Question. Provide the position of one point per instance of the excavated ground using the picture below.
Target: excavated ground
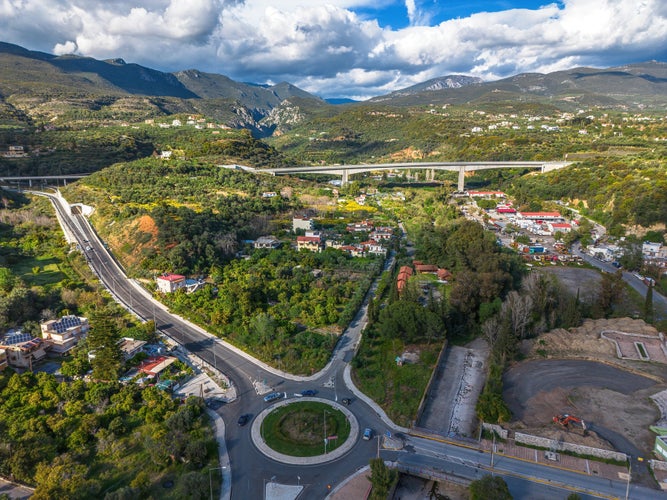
(579, 373)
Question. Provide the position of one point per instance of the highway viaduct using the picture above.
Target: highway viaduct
(345, 171)
(18, 179)
(461, 167)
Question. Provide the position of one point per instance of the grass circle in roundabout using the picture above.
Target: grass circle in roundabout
(299, 429)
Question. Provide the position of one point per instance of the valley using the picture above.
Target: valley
(350, 278)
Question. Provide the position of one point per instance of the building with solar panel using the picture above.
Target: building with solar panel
(22, 349)
(64, 333)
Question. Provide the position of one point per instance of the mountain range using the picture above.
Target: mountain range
(39, 87)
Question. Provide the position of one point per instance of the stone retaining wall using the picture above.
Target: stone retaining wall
(425, 395)
(521, 438)
(500, 432)
(658, 465)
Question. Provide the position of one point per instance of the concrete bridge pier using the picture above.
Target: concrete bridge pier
(346, 177)
(462, 175)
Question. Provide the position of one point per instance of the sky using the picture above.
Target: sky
(345, 48)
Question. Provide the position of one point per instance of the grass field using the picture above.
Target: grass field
(299, 429)
(47, 267)
(397, 389)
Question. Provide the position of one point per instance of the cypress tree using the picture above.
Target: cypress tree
(103, 339)
(648, 305)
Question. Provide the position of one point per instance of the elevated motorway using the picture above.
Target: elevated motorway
(455, 166)
(344, 171)
(40, 179)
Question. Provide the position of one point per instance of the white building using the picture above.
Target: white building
(64, 333)
(168, 283)
(650, 249)
(266, 242)
(305, 223)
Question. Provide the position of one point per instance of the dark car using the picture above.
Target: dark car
(309, 392)
(243, 419)
(346, 401)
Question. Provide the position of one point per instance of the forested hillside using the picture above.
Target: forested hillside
(617, 193)
(194, 215)
(79, 149)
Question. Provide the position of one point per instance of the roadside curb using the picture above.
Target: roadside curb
(223, 457)
(261, 445)
(347, 377)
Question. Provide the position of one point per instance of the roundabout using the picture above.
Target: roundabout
(301, 432)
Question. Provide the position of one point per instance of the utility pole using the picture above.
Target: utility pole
(627, 488)
(493, 447)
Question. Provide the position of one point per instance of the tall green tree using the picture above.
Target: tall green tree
(489, 488)
(648, 305)
(611, 290)
(632, 257)
(103, 340)
(382, 478)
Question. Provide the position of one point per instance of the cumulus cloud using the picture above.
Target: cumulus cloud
(416, 15)
(329, 49)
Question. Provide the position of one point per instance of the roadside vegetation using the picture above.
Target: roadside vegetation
(38, 275)
(82, 148)
(81, 439)
(283, 306)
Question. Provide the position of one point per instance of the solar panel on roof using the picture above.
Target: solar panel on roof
(17, 338)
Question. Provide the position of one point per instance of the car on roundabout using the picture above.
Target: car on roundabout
(243, 419)
(368, 434)
(273, 396)
(346, 401)
(309, 392)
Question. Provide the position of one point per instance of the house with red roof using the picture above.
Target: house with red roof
(312, 243)
(542, 216)
(404, 274)
(168, 283)
(372, 246)
(563, 227)
(153, 366)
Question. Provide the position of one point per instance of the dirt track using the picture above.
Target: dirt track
(530, 378)
(612, 401)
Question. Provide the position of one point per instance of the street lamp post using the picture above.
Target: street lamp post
(325, 432)
(210, 480)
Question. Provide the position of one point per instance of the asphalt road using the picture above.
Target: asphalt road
(659, 301)
(527, 480)
(248, 464)
(251, 470)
